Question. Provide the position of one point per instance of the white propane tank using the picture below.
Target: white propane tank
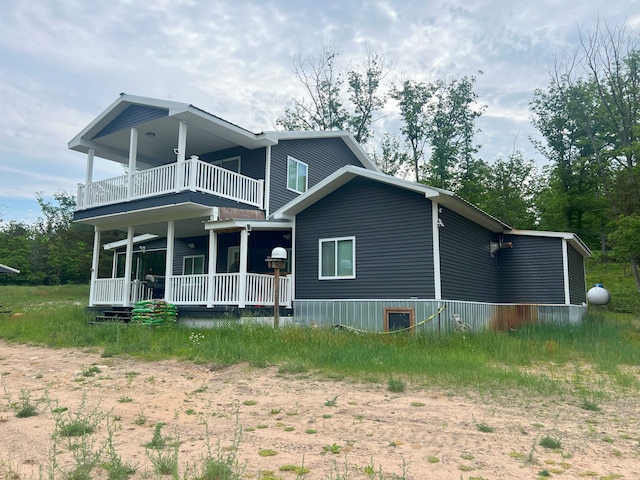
(598, 295)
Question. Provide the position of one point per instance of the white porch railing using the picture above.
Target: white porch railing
(108, 291)
(199, 290)
(194, 175)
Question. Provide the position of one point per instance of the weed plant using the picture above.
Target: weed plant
(23, 406)
(490, 361)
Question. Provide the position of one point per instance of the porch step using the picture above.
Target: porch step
(115, 315)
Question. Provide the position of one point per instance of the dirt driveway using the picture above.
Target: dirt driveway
(334, 428)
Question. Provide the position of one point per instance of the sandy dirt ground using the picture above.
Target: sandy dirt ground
(336, 428)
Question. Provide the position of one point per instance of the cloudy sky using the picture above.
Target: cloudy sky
(62, 62)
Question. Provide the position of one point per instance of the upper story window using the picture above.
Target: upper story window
(232, 164)
(297, 175)
(337, 258)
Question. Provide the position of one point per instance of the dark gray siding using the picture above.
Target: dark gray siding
(132, 115)
(394, 249)
(181, 249)
(323, 156)
(467, 270)
(531, 271)
(252, 162)
(577, 287)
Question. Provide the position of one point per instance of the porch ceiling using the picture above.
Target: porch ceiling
(190, 222)
(158, 149)
(205, 133)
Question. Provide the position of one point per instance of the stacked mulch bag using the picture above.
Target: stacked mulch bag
(154, 312)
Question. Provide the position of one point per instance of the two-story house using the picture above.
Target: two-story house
(203, 202)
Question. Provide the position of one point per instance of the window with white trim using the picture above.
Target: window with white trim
(337, 258)
(232, 163)
(297, 175)
(193, 265)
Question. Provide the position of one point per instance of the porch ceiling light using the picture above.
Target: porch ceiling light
(150, 134)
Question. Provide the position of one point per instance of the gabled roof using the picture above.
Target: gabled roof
(158, 120)
(345, 174)
(347, 137)
(181, 111)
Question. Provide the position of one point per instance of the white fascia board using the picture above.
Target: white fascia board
(145, 237)
(572, 238)
(242, 224)
(338, 179)
(117, 107)
(142, 216)
(7, 269)
(234, 133)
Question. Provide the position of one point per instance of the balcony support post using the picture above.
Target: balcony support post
(88, 177)
(128, 267)
(168, 269)
(242, 281)
(267, 181)
(181, 153)
(95, 261)
(133, 156)
(213, 255)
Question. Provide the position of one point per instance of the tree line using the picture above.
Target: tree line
(588, 116)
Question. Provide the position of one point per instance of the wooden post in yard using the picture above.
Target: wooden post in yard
(276, 299)
(277, 260)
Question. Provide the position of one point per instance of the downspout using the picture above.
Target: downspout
(267, 181)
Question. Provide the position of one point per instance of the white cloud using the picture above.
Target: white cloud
(64, 61)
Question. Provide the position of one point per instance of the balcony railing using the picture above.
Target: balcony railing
(218, 289)
(193, 174)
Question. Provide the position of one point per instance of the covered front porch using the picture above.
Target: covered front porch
(242, 290)
(223, 265)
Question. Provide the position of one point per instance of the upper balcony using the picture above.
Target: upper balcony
(189, 175)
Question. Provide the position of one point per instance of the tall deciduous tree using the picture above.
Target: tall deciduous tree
(512, 185)
(412, 98)
(440, 117)
(392, 157)
(598, 95)
(331, 104)
(573, 199)
(626, 242)
(453, 111)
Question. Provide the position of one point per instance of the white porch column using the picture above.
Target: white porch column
(133, 156)
(88, 177)
(267, 181)
(128, 267)
(182, 152)
(435, 227)
(168, 269)
(213, 255)
(95, 261)
(242, 285)
(565, 270)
